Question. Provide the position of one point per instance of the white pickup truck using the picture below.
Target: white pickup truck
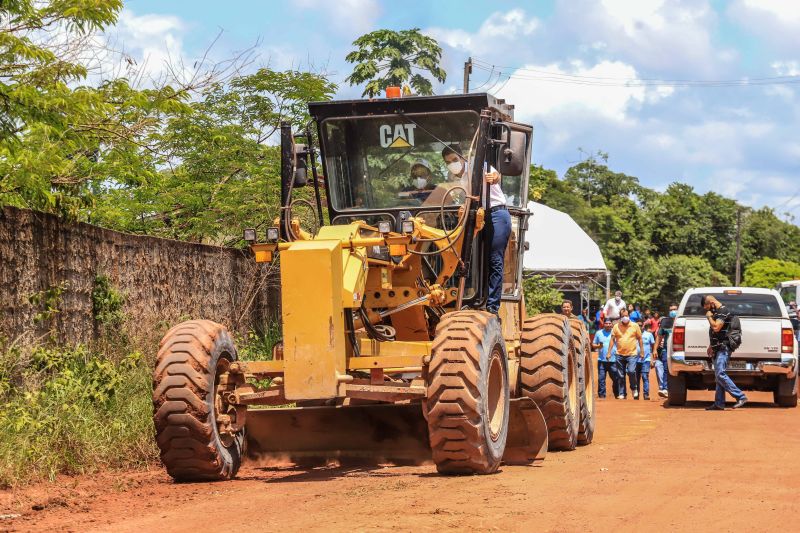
(765, 361)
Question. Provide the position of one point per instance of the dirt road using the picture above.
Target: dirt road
(650, 468)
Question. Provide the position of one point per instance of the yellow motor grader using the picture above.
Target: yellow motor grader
(387, 352)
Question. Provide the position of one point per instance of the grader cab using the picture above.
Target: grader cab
(387, 352)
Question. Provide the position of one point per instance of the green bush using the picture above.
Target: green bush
(769, 272)
(540, 295)
(74, 412)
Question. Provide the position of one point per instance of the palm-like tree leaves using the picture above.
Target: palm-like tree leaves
(386, 58)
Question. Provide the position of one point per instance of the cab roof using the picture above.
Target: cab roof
(412, 104)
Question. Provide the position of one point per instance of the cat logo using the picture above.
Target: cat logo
(399, 136)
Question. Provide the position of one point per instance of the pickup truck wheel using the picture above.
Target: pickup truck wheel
(676, 387)
(786, 393)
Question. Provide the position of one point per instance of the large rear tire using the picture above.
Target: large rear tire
(676, 389)
(467, 401)
(549, 376)
(191, 358)
(583, 355)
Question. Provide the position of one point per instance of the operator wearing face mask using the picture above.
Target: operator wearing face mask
(498, 220)
(421, 181)
(625, 337)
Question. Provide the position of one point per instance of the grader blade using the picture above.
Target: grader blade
(367, 433)
(527, 433)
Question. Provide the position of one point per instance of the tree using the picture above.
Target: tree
(540, 295)
(597, 184)
(389, 58)
(36, 63)
(59, 139)
(765, 235)
(671, 276)
(768, 272)
(220, 173)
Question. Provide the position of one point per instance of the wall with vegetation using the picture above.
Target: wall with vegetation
(72, 281)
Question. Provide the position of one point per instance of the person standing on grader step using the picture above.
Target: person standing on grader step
(626, 337)
(498, 219)
(720, 348)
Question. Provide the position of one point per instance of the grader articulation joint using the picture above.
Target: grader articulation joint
(386, 351)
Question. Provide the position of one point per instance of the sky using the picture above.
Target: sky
(588, 74)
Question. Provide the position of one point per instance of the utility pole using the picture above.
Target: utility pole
(467, 72)
(738, 247)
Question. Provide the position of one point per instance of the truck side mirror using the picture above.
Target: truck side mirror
(511, 156)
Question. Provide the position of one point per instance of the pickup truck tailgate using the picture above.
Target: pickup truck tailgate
(761, 338)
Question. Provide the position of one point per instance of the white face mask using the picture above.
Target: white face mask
(456, 167)
(625, 319)
(618, 299)
(420, 183)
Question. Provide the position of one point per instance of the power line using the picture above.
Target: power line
(523, 73)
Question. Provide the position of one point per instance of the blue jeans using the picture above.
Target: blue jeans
(643, 371)
(499, 228)
(661, 370)
(626, 364)
(604, 367)
(724, 382)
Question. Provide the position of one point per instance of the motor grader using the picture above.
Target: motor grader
(387, 352)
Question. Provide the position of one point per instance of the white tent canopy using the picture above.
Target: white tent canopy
(557, 244)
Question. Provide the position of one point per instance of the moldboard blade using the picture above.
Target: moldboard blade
(381, 433)
(527, 433)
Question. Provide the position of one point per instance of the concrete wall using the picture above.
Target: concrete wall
(163, 281)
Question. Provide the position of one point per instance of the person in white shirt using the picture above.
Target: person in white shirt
(613, 306)
(498, 218)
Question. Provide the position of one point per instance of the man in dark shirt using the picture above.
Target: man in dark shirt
(719, 320)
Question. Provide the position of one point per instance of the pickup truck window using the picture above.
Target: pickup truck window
(757, 305)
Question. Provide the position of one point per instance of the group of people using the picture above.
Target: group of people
(629, 342)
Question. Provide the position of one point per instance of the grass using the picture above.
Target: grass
(72, 410)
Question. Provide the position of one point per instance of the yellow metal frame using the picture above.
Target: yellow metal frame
(327, 275)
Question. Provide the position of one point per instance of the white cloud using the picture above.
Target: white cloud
(786, 68)
(667, 38)
(143, 48)
(514, 24)
(756, 187)
(156, 39)
(776, 21)
(560, 91)
(782, 11)
(348, 17)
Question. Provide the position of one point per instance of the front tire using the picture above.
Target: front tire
(192, 357)
(467, 400)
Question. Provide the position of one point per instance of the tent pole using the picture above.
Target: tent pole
(608, 284)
